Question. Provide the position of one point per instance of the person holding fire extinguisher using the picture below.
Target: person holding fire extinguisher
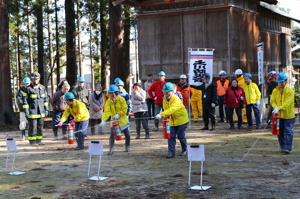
(115, 108)
(174, 109)
(282, 101)
(81, 116)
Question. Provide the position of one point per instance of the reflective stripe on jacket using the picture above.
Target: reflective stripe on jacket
(112, 108)
(78, 110)
(252, 93)
(175, 109)
(284, 101)
(221, 89)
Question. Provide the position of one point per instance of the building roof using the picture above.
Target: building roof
(277, 11)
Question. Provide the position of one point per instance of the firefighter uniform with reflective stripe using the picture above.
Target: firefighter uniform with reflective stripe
(221, 91)
(36, 108)
(20, 100)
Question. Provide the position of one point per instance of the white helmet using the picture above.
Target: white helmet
(182, 76)
(238, 72)
(272, 72)
(222, 72)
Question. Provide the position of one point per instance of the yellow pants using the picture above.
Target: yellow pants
(244, 115)
(196, 109)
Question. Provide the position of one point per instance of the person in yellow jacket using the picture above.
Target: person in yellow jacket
(175, 110)
(241, 83)
(115, 108)
(196, 103)
(81, 117)
(282, 100)
(253, 96)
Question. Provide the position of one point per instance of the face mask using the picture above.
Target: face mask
(97, 92)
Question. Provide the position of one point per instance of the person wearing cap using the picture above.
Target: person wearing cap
(271, 85)
(241, 82)
(20, 101)
(80, 113)
(253, 97)
(35, 106)
(282, 101)
(184, 89)
(123, 93)
(149, 100)
(115, 108)
(59, 106)
(80, 92)
(155, 92)
(222, 85)
(96, 101)
(175, 110)
(140, 110)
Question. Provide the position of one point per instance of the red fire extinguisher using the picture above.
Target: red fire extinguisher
(116, 129)
(70, 131)
(166, 126)
(275, 124)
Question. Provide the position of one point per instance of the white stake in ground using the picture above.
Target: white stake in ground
(96, 149)
(196, 153)
(11, 157)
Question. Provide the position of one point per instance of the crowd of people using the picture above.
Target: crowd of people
(155, 100)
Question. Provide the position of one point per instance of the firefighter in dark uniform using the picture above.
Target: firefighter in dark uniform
(209, 101)
(36, 108)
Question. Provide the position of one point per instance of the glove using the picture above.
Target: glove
(158, 116)
(275, 110)
(46, 113)
(103, 123)
(117, 116)
(257, 102)
(60, 124)
(155, 98)
(213, 105)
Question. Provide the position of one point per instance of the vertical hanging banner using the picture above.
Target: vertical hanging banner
(200, 62)
(260, 61)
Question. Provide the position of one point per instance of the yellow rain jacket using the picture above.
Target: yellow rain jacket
(284, 101)
(241, 81)
(78, 111)
(175, 109)
(252, 93)
(119, 107)
(196, 95)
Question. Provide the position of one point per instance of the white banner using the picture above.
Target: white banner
(260, 61)
(200, 62)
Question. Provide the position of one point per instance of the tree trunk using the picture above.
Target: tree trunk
(104, 43)
(19, 76)
(70, 42)
(40, 41)
(57, 46)
(29, 36)
(91, 57)
(79, 40)
(6, 111)
(116, 41)
(126, 48)
(50, 48)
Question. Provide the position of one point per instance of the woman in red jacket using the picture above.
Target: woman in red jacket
(235, 99)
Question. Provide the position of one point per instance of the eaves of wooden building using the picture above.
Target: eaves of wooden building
(231, 27)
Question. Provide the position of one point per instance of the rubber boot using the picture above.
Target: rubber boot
(127, 144)
(32, 142)
(23, 135)
(111, 151)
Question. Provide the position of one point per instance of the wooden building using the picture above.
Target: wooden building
(167, 28)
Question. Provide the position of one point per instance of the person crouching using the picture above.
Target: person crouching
(175, 110)
(115, 108)
(81, 117)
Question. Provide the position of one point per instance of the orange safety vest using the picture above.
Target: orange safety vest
(221, 90)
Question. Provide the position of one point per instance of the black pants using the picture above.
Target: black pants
(239, 115)
(141, 117)
(221, 107)
(94, 123)
(150, 104)
(209, 113)
(35, 129)
(112, 138)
